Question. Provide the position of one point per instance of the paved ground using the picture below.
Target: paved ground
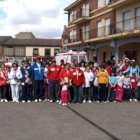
(45, 121)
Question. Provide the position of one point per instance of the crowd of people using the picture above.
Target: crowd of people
(70, 83)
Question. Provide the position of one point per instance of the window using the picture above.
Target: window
(8, 51)
(107, 2)
(19, 51)
(127, 21)
(74, 58)
(72, 16)
(47, 52)
(35, 51)
(85, 32)
(85, 10)
(100, 3)
(100, 28)
(138, 17)
(73, 35)
(107, 26)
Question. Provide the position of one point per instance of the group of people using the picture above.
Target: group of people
(70, 83)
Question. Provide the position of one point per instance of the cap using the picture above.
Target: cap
(38, 57)
(53, 61)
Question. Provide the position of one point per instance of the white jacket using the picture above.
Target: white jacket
(14, 76)
(89, 76)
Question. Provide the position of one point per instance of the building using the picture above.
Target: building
(25, 45)
(104, 28)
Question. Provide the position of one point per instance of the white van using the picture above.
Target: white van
(71, 56)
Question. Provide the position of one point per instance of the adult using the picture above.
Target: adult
(15, 76)
(78, 81)
(3, 83)
(53, 79)
(26, 82)
(37, 72)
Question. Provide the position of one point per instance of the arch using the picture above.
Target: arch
(105, 53)
(132, 50)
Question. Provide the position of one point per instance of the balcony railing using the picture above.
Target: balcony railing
(119, 27)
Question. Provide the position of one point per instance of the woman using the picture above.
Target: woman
(14, 76)
(26, 82)
(3, 83)
(78, 81)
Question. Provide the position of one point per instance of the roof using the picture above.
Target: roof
(34, 42)
(4, 38)
(73, 5)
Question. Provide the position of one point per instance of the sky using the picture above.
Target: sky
(45, 18)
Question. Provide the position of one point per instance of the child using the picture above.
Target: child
(102, 76)
(133, 87)
(112, 88)
(64, 91)
(138, 87)
(126, 87)
(119, 88)
(88, 79)
(95, 87)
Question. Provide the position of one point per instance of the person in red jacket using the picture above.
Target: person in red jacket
(78, 80)
(3, 82)
(53, 81)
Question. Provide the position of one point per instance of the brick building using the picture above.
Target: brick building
(104, 28)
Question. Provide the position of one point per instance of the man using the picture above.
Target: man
(53, 79)
(37, 74)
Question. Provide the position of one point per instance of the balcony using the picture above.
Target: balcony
(81, 16)
(120, 3)
(126, 28)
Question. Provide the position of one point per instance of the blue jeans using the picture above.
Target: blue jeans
(77, 94)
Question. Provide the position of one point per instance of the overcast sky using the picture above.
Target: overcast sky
(45, 18)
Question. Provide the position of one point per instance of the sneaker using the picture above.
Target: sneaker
(63, 104)
(28, 101)
(60, 102)
(23, 101)
(40, 100)
(84, 101)
(51, 101)
(2, 101)
(17, 101)
(105, 102)
(36, 100)
(89, 101)
(97, 102)
(57, 101)
(6, 101)
(135, 100)
(13, 101)
(45, 100)
(114, 101)
(130, 100)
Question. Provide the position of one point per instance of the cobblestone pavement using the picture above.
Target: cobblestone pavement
(46, 121)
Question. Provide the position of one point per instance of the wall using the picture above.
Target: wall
(29, 50)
